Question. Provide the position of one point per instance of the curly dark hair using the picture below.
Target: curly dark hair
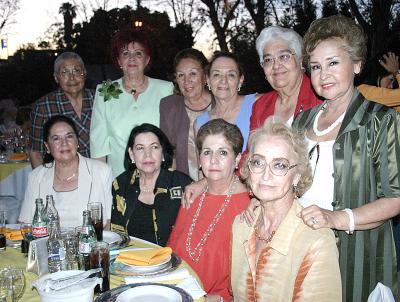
(48, 125)
(167, 149)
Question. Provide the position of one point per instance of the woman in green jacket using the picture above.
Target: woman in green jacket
(355, 155)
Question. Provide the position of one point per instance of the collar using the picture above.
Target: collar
(84, 179)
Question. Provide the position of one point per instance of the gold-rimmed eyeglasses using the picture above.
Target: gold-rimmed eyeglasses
(282, 58)
(278, 166)
(75, 72)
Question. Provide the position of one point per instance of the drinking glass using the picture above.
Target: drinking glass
(27, 237)
(70, 238)
(100, 257)
(2, 230)
(15, 282)
(4, 285)
(96, 213)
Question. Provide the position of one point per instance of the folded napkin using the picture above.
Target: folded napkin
(192, 287)
(145, 257)
(13, 234)
(177, 276)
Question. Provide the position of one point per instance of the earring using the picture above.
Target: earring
(133, 161)
(295, 190)
(239, 87)
(208, 86)
(163, 159)
(199, 167)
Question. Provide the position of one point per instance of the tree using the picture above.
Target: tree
(69, 13)
(221, 13)
(305, 12)
(375, 20)
(8, 9)
(329, 8)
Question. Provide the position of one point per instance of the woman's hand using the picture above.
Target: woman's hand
(317, 218)
(390, 62)
(192, 191)
(248, 214)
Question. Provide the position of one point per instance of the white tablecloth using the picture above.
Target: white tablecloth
(13, 181)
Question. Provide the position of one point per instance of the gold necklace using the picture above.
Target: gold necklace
(66, 178)
(195, 254)
(134, 89)
(258, 235)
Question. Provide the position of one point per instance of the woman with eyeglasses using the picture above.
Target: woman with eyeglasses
(127, 102)
(72, 179)
(280, 55)
(70, 99)
(279, 257)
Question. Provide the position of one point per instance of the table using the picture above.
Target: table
(13, 181)
(14, 257)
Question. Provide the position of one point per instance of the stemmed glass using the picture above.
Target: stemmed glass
(15, 279)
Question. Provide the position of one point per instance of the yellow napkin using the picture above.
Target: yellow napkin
(13, 234)
(145, 257)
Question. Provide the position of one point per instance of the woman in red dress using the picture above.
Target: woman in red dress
(202, 233)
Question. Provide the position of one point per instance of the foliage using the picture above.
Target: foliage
(8, 9)
(69, 13)
(110, 90)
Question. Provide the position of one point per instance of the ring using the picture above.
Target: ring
(313, 220)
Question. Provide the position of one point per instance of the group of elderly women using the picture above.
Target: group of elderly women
(323, 190)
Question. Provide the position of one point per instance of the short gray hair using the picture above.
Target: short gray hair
(66, 56)
(273, 33)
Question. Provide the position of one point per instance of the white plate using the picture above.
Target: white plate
(111, 237)
(150, 293)
(151, 268)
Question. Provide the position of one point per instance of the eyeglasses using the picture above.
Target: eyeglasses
(278, 166)
(75, 72)
(59, 139)
(283, 58)
(136, 54)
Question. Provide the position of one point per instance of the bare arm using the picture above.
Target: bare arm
(192, 191)
(35, 158)
(368, 216)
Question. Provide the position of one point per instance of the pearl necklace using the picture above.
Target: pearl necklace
(330, 128)
(195, 254)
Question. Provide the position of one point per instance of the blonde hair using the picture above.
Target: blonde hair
(274, 127)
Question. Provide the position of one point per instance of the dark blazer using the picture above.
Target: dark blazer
(167, 201)
(174, 122)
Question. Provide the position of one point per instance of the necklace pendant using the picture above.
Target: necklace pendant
(133, 91)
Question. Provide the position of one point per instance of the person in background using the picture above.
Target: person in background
(224, 80)
(179, 111)
(279, 257)
(74, 180)
(381, 80)
(147, 196)
(280, 55)
(202, 234)
(70, 99)
(127, 102)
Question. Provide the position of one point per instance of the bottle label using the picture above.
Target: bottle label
(40, 231)
(85, 247)
(60, 256)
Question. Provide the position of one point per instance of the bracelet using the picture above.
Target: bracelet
(351, 221)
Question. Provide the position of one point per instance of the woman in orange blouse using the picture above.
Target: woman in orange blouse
(201, 235)
(279, 258)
